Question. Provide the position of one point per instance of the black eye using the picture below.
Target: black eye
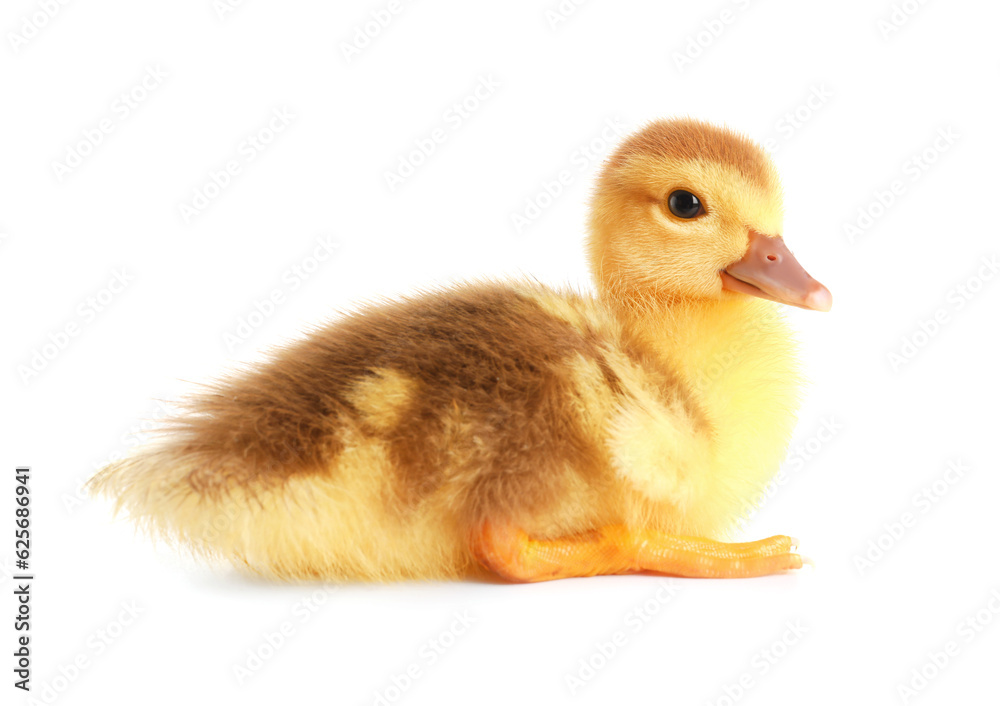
(684, 204)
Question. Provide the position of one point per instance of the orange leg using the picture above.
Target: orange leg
(513, 555)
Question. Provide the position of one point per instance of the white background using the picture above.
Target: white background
(880, 98)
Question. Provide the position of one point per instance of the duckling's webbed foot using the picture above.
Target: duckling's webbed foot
(706, 558)
(512, 554)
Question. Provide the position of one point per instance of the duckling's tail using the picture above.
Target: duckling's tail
(154, 487)
(329, 524)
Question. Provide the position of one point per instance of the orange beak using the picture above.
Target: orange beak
(770, 271)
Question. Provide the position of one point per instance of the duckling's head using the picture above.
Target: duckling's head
(687, 210)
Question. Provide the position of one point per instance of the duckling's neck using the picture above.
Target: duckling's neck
(708, 341)
(736, 355)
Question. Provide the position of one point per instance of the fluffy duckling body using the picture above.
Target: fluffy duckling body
(513, 429)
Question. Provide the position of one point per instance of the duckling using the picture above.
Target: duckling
(513, 430)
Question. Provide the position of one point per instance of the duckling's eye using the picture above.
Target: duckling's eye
(684, 204)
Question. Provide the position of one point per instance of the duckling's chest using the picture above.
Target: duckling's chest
(736, 363)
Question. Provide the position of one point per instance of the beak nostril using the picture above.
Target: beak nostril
(772, 258)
